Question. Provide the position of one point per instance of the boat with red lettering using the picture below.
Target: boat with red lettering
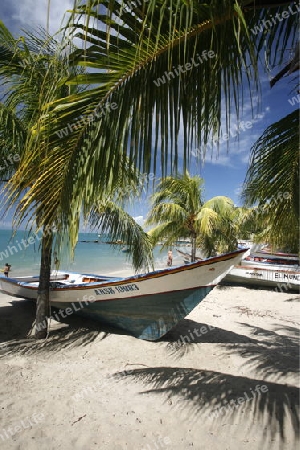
(278, 270)
(146, 305)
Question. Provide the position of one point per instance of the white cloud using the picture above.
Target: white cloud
(238, 190)
(220, 159)
(33, 13)
(139, 220)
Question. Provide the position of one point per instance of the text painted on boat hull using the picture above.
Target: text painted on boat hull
(116, 289)
(287, 276)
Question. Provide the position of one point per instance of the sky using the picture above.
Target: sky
(224, 169)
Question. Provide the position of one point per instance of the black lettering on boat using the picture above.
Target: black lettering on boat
(109, 290)
(127, 288)
(104, 291)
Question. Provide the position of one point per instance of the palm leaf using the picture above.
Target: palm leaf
(132, 52)
(112, 219)
(273, 178)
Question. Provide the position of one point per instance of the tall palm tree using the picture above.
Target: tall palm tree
(34, 72)
(178, 210)
(26, 66)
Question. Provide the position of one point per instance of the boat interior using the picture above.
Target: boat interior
(272, 260)
(64, 278)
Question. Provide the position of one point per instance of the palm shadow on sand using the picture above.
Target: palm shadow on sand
(207, 396)
(270, 354)
(16, 331)
(200, 395)
(267, 352)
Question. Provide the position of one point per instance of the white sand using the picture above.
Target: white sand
(62, 394)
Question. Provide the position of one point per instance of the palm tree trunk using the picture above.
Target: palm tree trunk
(193, 257)
(42, 303)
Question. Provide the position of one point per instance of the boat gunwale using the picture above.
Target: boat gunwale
(135, 278)
(270, 269)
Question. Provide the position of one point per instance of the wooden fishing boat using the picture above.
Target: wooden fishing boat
(283, 260)
(260, 269)
(146, 305)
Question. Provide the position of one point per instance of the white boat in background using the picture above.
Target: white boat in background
(282, 261)
(278, 270)
(146, 305)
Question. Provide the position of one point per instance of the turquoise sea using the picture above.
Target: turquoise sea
(90, 256)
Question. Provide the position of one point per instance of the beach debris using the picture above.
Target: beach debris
(79, 419)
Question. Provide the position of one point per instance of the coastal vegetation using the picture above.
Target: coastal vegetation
(33, 73)
(30, 76)
(179, 210)
(272, 183)
(84, 134)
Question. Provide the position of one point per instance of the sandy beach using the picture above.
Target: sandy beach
(225, 378)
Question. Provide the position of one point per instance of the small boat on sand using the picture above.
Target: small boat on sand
(278, 270)
(147, 305)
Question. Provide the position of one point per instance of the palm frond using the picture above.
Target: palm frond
(139, 98)
(206, 220)
(221, 204)
(12, 139)
(273, 178)
(168, 233)
(179, 211)
(165, 212)
(112, 219)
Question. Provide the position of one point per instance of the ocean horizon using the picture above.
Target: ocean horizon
(91, 255)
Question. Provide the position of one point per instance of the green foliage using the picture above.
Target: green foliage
(112, 219)
(34, 69)
(126, 113)
(178, 210)
(79, 140)
(272, 181)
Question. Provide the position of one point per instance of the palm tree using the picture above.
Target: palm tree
(178, 210)
(35, 74)
(109, 216)
(157, 68)
(25, 68)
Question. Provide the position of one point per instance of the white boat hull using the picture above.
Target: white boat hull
(282, 279)
(146, 305)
